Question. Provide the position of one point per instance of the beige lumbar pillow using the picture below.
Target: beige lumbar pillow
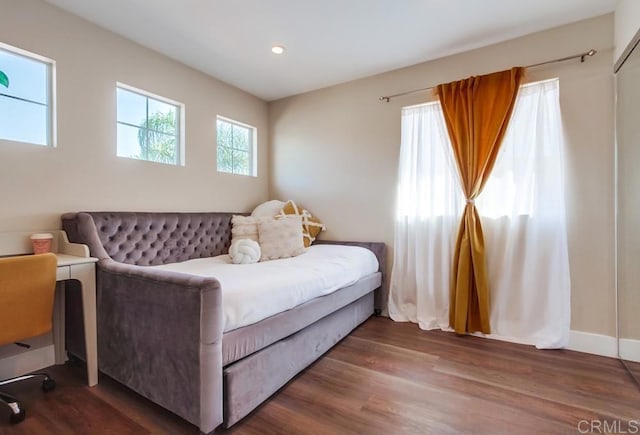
(244, 227)
(280, 238)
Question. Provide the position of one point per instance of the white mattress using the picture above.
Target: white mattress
(253, 292)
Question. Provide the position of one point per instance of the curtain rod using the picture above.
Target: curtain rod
(580, 56)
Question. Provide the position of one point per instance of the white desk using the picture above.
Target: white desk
(74, 263)
(83, 270)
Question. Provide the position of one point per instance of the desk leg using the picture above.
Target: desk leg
(59, 324)
(86, 274)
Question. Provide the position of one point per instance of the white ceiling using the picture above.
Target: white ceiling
(327, 41)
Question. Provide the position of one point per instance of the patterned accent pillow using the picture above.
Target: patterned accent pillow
(280, 238)
(311, 226)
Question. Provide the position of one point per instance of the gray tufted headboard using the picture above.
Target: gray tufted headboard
(149, 239)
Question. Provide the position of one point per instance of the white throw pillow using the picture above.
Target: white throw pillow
(244, 227)
(280, 238)
(268, 209)
(244, 251)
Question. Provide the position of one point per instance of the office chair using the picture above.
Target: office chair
(27, 286)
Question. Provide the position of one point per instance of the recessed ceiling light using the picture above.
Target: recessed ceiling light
(277, 49)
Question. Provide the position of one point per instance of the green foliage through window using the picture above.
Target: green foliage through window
(148, 128)
(235, 148)
(26, 101)
(157, 138)
(4, 80)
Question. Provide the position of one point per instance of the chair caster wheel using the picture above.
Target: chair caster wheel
(17, 418)
(48, 385)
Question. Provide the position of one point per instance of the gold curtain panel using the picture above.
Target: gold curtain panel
(477, 112)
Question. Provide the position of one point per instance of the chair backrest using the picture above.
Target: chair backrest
(27, 286)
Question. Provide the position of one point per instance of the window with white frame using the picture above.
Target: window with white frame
(149, 126)
(522, 213)
(524, 180)
(236, 147)
(26, 97)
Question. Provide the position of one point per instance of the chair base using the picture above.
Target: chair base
(17, 411)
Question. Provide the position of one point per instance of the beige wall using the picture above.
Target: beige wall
(83, 173)
(627, 23)
(336, 150)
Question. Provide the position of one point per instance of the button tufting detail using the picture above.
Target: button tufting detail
(158, 238)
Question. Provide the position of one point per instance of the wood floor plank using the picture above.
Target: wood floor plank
(433, 408)
(474, 422)
(276, 418)
(634, 369)
(384, 378)
(69, 409)
(440, 381)
(409, 336)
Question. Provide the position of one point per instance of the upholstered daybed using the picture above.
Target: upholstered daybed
(166, 334)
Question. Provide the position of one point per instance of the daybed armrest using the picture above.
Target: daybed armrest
(379, 249)
(161, 334)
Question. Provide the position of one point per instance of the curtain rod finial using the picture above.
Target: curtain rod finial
(589, 53)
(385, 99)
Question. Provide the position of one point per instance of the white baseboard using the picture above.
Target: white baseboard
(630, 349)
(586, 342)
(26, 362)
(597, 344)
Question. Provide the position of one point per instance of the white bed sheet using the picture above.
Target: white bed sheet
(253, 292)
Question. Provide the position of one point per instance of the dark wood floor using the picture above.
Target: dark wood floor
(634, 368)
(385, 378)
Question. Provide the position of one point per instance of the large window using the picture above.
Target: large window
(236, 147)
(523, 180)
(522, 209)
(26, 104)
(149, 127)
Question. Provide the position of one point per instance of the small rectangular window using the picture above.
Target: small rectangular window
(26, 97)
(149, 127)
(236, 147)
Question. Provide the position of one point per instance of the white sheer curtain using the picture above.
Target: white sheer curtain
(522, 208)
(430, 204)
